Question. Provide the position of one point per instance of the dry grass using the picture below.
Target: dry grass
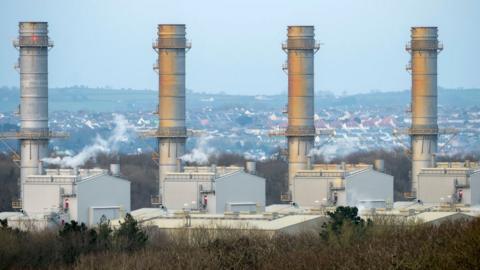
(448, 246)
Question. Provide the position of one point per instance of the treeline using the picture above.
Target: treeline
(142, 171)
(344, 242)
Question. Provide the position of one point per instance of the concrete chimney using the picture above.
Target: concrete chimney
(300, 132)
(424, 48)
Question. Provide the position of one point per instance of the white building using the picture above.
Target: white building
(342, 185)
(450, 182)
(84, 195)
(215, 190)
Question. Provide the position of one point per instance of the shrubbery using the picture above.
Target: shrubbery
(41, 249)
(345, 242)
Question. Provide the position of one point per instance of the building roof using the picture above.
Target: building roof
(335, 170)
(66, 176)
(176, 220)
(205, 173)
(433, 217)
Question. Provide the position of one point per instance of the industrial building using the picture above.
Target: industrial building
(423, 48)
(84, 195)
(300, 48)
(450, 182)
(216, 197)
(171, 46)
(215, 190)
(433, 182)
(269, 223)
(343, 184)
(33, 44)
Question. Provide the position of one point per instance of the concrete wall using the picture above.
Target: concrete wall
(179, 192)
(101, 191)
(239, 187)
(41, 198)
(44, 197)
(369, 188)
(309, 190)
(431, 188)
(475, 189)
(95, 215)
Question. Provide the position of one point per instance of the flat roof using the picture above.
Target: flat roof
(176, 220)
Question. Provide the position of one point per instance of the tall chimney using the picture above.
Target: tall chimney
(424, 48)
(33, 44)
(171, 47)
(300, 133)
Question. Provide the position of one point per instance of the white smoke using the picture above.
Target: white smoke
(100, 145)
(338, 147)
(201, 152)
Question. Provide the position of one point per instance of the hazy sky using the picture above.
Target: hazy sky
(237, 44)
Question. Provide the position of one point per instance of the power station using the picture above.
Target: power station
(424, 48)
(171, 46)
(301, 48)
(33, 44)
(232, 195)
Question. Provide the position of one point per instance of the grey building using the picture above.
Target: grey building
(84, 195)
(343, 185)
(450, 182)
(215, 190)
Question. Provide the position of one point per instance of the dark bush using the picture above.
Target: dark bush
(129, 236)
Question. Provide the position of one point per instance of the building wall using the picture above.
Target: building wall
(431, 188)
(211, 205)
(309, 190)
(95, 214)
(369, 189)
(179, 192)
(41, 198)
(44, 197)
(239, 187)
(475, 189)
(104, 190)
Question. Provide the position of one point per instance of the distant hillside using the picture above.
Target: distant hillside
(104, 100)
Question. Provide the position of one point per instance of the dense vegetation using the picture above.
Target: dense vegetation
(345, 242)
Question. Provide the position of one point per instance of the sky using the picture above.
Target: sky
(236, 45)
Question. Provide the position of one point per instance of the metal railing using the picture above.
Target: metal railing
(164, 133)
(181, 43)
(43, 134)
(33, 41)
(301, 44)
(424, 45)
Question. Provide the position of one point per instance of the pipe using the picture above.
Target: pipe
(424, 49)
(171, 47)
(251, 167)
(309, 162)
(179, 165)
(379, 165)
(115, 169)
(300, 133)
